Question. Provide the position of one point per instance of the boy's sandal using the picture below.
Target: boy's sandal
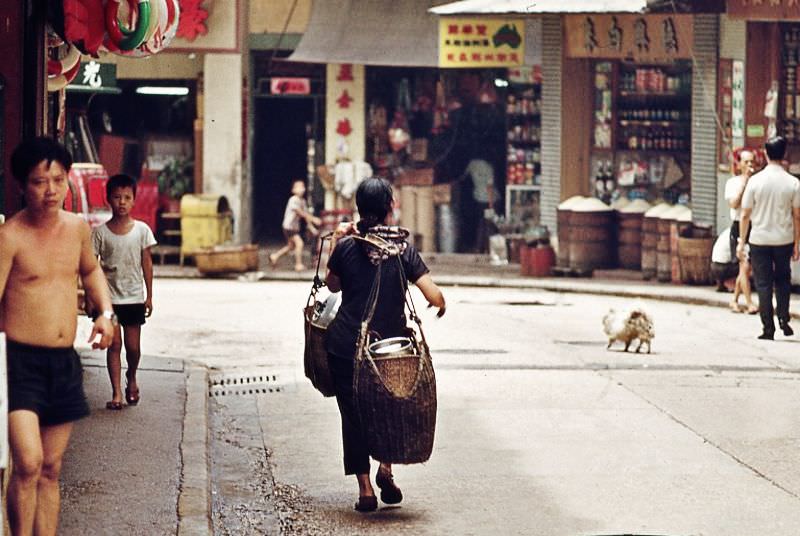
(131, 396)
(115, 406)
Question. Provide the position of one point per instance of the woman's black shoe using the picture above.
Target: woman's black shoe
(367, 503)
(390, 493)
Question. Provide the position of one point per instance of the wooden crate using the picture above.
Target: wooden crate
(221, 259)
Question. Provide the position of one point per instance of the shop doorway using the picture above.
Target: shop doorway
(283, 126)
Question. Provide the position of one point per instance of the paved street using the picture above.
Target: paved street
(540, 430)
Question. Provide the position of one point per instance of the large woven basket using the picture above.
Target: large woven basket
(315, 356)
(396, 400)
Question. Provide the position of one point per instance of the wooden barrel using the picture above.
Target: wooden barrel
(663, 250)
(630, 240)
(630, 220)
(591, 240)
(563, 221)
(694, 255)
(649, 241)
(563, 213)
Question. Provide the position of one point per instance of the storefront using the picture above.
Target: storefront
(639, 104)
(772, 84)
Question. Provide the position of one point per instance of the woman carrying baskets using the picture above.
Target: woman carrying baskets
(352, 268)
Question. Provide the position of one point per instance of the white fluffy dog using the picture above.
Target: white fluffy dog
(627, 326)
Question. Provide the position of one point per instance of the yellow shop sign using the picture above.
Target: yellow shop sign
(481, 42)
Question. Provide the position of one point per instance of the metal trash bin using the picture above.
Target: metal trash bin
(206, 221)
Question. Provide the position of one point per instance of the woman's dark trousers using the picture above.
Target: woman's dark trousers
(772, 268)
(356, 455)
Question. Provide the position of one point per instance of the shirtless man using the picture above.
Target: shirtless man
(42, 251)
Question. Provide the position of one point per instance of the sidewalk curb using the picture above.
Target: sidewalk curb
(194, 500)
(575, 287)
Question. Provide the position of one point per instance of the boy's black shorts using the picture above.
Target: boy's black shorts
(130, 314)
(47, 381)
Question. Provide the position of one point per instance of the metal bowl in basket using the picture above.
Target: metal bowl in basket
(391, 347)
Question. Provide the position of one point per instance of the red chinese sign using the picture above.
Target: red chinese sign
(290, 86)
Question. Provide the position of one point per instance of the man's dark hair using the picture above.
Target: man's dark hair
(776, 148)
(374, 201)
(120, 181)
(30, 153)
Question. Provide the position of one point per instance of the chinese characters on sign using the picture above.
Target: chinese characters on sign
(344, 117)
(737, 103)
(633, 37)
(481, 43)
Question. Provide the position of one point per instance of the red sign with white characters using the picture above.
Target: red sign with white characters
(290, 86)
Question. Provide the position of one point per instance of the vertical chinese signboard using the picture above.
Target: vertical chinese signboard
(345, 134)
(644, 38)
(481, 42)
(737, 103)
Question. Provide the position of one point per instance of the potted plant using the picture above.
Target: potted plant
(175, 180)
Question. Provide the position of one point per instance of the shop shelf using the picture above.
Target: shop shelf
(648, 94)
(648, 123)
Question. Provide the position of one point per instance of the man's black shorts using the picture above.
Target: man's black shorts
(129, 314)
(47, 381)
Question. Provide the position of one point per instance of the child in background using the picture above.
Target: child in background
(123, 245)
(296, 209)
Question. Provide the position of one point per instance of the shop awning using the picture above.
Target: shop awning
(371, 32)
(529, 7)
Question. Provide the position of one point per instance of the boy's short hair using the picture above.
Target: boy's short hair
(30, 153)
(120, 181)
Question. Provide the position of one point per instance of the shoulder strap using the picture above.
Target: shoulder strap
(317, 282)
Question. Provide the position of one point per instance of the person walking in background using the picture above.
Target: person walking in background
(771, 201)
(296, 209)
(43, 252)
(734, 190)
(123, 245)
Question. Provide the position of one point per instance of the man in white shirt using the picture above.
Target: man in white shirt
(771, 201)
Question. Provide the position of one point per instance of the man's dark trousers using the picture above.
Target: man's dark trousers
(772, 268)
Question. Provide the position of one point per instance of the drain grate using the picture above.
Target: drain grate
(245, 383)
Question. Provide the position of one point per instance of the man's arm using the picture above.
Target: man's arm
(7, 252)
(744, 227)
(147, 271)
(796, 218)
(96, 286)
(736, 201)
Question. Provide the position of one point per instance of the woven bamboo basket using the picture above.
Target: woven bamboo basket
(396, 399)
(315, 356)
(221, 259)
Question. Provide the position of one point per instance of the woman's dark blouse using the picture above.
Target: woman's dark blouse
(350, 263)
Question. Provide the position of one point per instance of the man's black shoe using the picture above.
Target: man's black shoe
(787, 329)
(767, 336)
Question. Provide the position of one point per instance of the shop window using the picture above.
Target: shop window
(642, 131)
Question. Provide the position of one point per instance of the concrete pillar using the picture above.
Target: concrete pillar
(223, 136)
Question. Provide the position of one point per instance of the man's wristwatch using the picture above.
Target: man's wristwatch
(111, 316)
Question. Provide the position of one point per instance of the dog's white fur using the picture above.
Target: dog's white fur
(628, 326)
